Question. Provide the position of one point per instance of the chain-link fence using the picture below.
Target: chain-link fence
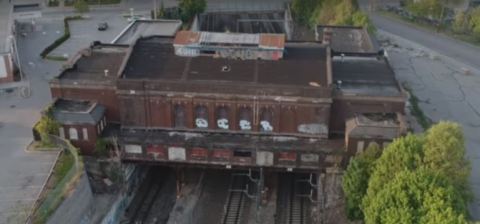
(52, 198)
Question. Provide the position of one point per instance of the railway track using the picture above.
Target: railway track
(236, 200)
(141, 213)
(291, 208)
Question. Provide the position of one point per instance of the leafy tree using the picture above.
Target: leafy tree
(355, 180)
(303, 10)
(47, 126)
(461, 22)
(81, 6)
(425, 8)
(361, 19)
(189, 8)
(419, 196)
(444, 153)
(404, 153)
(475, 22)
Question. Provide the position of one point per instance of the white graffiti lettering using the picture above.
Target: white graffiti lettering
(266, 126)
(245, 125)
(201, 123)
(222, 123)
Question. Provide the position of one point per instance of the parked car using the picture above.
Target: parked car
(102, 26)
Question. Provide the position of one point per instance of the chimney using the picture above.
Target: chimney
(327, 35)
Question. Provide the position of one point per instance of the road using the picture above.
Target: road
(461, 51)
(434, 66)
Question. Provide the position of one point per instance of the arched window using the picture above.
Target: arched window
(179, 115)
(245, 118)
(201, 117)
(266, 120)
(222, 118)
(73, 134)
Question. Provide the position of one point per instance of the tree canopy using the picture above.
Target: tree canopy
(355, 180)
(417, 179)
(189, 8)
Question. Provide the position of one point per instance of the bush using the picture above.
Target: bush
(102, 148)
(302, 10)
(460, 23)
(47, 126)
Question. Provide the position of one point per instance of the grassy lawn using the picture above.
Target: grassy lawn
(463, 37)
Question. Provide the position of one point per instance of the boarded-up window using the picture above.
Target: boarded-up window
(245, 118)
(179, 115)
(85, 134)
(266, 120)
(73, 134)
(222, 118)
(201, 117)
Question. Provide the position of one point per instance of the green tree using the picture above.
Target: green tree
(303, 10)
(81, 6)
(47, 126)
(461, 22)
(444, 153)
(189, 8)
(355, 180)
(419, 196)
(361, 19)
(475, 22)
(425, 8)
(404, 153)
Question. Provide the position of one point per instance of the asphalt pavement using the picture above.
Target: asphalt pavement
(444, 73)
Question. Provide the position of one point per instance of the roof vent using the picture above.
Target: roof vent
(339, 84)
(226, 68)
(106, 72)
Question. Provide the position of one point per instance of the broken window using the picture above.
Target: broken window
(242, 153)
(222, 118)
(245, 119)
(266, 120)
(179, 116)
(201, 117)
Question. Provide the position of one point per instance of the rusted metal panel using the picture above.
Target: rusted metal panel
(287, 156)
(221, 155)
(198, 154)
(156, 152)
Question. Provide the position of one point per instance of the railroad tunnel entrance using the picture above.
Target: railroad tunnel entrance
(203, 195)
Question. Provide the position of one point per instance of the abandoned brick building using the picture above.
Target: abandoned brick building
(231, 99)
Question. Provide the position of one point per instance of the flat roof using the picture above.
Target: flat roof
(243, 22)
(365, 76)
(30, 7)
(91, 63)
(68, 111)
(269, 41)
(349, 39)
(140, 28)
(154, 58)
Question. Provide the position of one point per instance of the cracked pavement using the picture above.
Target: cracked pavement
(447, 90)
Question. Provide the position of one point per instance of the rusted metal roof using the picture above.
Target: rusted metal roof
(186, 37)
(272, 41)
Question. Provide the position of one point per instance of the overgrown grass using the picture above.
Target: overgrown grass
(64, 164)
(462, 37)
(416, 111)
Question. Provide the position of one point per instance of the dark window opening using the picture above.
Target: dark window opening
(222, 118)
(201, 117)
(245, 119)
(179, 116)
(241, 153)
(207, 52)
(266, 120)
